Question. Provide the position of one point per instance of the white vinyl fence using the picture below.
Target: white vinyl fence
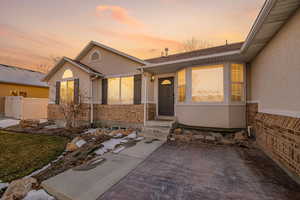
(19, 107)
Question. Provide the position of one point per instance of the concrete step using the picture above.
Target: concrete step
(157, 132)
(159, 123)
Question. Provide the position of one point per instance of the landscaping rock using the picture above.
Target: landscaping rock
(178, 131)
(240, 136)
(29, 123)
(38, 195)
(199, 137)
(75, 144)
(18, 189)
(227, 142)
(210, 138)
(183, 138)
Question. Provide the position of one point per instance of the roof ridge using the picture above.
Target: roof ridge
(188, 52)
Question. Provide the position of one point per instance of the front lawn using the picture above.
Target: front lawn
(21, 154)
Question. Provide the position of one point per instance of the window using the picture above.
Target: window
(23, 94)
(13, 93)
(181, 85)
(67, 91)
(120, 90)
(166, 82)
(237, 82)
(208, 84)
(67, 74)
(95, 56)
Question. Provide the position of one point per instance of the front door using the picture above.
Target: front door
(166, 96)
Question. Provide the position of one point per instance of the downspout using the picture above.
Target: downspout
(145, 97)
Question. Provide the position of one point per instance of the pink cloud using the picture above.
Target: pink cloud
(120, 14)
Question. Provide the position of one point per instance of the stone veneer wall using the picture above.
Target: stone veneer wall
(279, 137)
(112, 114)
(54, 113)
(130, 114)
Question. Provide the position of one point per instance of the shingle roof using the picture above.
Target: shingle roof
(196, 53)
(84, 66)
(16, 75)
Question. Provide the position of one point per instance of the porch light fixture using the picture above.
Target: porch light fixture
(152, 78)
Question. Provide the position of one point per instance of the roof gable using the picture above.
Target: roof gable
(76, 63)
(91, 44)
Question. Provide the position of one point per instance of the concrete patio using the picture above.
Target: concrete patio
(205, 172)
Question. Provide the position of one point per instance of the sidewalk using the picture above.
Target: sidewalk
(89, 185)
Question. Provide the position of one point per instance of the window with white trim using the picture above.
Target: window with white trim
(120, 90)
(67, 87)
(67, 91)
(208, 83)
(67, 74)
(181, 85)
(95, 56)
(237, 82)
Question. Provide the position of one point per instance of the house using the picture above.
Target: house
(252, 84)
(15, 81)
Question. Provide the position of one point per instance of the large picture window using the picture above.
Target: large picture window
(208, 83)
(120, 90)
(67, 87)
(237, 82)
(181, 85)
(67, 91)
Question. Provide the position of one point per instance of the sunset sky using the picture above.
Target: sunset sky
(33, 31)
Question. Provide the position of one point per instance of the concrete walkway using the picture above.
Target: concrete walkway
(89, 185)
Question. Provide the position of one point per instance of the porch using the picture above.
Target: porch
(208, 94)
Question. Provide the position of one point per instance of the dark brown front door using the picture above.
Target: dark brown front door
(166, 96)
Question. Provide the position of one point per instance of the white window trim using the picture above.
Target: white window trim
(243, 102)
(67, 68)
(227, 87)
(120, 84)
(95, 51)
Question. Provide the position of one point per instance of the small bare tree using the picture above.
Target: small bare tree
(71, 111)
(195, 44)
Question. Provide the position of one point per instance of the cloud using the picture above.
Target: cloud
(142, 38)
(120, 15)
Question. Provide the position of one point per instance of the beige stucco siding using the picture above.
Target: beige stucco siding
(84, 82)
(220, 116)
(237, 116)
(110, 63)
(203, 115)
(275, 72)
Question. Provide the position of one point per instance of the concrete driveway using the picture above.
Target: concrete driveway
(205, 172)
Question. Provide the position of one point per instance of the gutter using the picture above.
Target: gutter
(264, 13)
(145, 97)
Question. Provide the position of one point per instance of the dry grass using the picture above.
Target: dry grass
(21, 154)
